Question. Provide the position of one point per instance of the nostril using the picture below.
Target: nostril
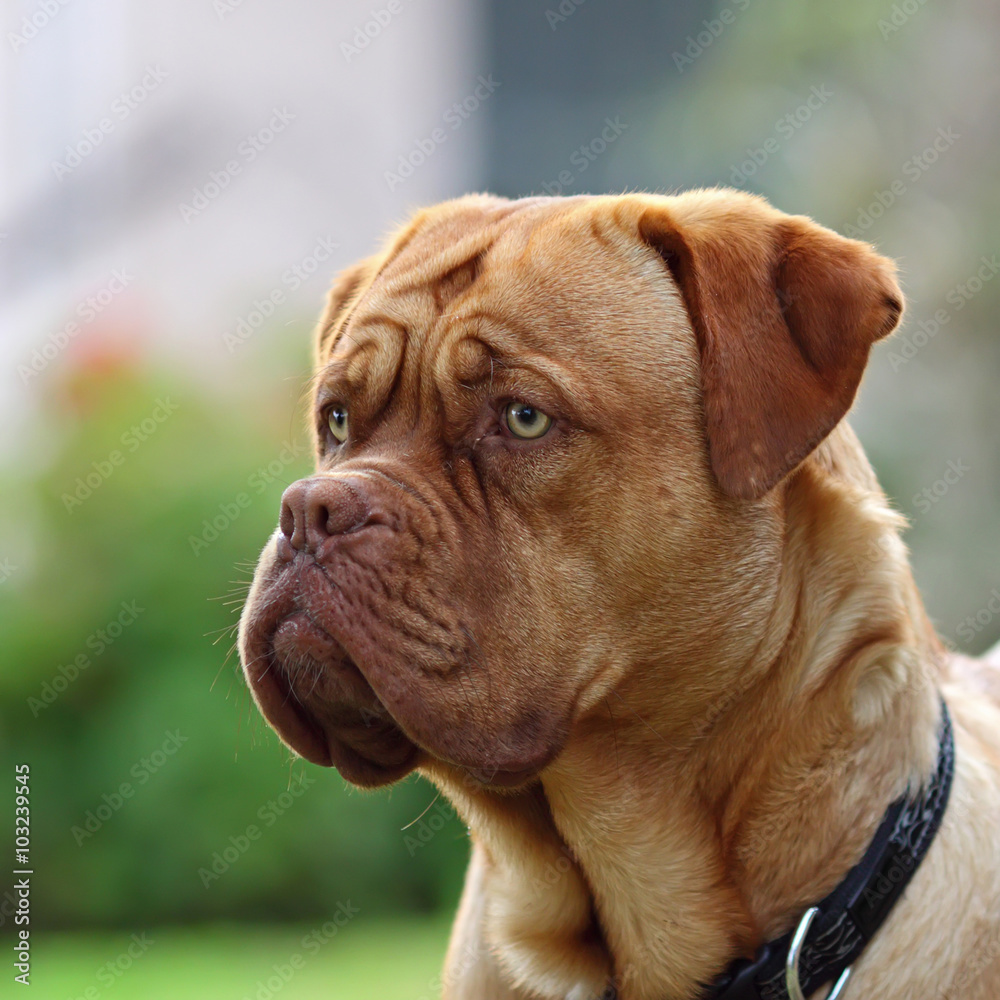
(325, 520)
(317, 509)
(321, 521)
(286, 520)
(291, 518)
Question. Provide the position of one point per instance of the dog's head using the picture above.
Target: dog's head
(548, 432)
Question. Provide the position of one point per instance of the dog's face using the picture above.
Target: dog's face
(547, 433)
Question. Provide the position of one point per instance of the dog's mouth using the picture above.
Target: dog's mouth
(344, 689)
(319, 703)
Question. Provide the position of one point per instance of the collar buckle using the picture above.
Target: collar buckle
(792, 984)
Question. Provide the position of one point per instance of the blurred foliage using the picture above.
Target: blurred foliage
(113, 856)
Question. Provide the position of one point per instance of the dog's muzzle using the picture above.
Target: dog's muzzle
(304, 682)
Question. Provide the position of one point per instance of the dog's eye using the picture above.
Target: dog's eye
(525, 421)
(337, 419)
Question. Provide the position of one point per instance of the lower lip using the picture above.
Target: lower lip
(361, 770)
(274, 699)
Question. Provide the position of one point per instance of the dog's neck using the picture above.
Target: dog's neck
(694, 840)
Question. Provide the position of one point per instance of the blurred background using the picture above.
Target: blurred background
(178, 184)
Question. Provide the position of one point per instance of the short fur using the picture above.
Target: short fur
(668, 661)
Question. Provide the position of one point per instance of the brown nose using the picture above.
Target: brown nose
(313, 510)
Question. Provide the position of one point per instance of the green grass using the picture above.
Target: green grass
(389, 960)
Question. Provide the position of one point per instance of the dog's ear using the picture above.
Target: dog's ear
(344, 293)
(785, 313)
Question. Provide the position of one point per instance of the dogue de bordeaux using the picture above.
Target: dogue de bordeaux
(590, 545)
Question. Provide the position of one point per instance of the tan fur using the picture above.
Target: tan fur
(668, 662)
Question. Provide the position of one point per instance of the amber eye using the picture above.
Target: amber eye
(525, 421)
(337, 419)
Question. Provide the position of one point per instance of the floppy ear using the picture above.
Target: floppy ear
(785, 313)
(344, 293)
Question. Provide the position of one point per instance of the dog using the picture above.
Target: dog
(591, 546)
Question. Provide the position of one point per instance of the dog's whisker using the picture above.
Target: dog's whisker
(316, 681)
(221, 631)
(222, 667)
(424, 813)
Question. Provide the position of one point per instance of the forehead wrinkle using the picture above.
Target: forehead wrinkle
(405, 285)
(382, 303)
(437, 247)
(460, 358)
(417, 248)
(371, 368)
(504, 343)
(469, 365)
(425, 261)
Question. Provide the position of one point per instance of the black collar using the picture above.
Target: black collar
(835, 932)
